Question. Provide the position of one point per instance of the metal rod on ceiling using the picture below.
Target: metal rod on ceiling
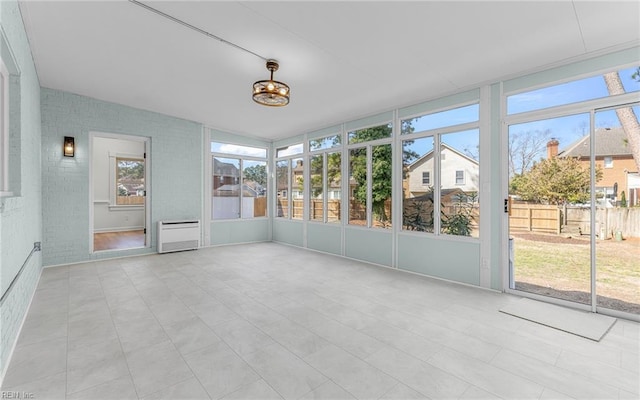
(195, 28)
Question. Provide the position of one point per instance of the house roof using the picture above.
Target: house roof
(430, 153)
(609, 142)
(225, 168)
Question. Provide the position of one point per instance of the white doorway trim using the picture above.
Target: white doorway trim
(147, 177)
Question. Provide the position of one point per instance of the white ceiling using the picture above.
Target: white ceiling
(343, 60)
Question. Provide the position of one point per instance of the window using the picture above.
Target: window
(282, 188)
(254, 188)
(130, 187)
(575, 91)
(608, 162)
(460, 183)
(316, 203)
(426, 178)
(369, 134)
(226, 188)
(289, 150)
(239, 186)
(417, 202)
(326, 179)
(325, 143)
(227, 148)
(370, 177)
(452, 193)
(290, 182)
(455, 116)
(459, 177)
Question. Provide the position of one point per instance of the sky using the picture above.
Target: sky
(569, 129)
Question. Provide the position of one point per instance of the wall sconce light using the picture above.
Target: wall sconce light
(69, 148)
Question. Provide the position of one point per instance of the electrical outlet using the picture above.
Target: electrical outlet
(37, 246)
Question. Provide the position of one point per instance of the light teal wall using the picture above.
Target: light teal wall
(175, 156)
(325, 237)
(239, 231)
(21, 214)
(287, 231)
(454, 260)
(372, 245)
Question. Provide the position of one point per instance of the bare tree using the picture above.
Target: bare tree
(628, 118)
(525, 148)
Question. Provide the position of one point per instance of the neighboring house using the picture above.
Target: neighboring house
(458, 171)
(224, 174)
(283, 182)
(615, 160)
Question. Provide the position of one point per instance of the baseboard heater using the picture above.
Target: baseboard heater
(178, 235)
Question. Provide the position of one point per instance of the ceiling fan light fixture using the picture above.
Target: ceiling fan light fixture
(269, 92)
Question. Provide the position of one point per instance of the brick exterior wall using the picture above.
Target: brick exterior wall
(615, 174)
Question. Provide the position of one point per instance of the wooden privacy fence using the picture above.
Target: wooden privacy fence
(315, 209)
(130, 200)
(575, 220)
(608, 221)
(259, 206)
(535, 218)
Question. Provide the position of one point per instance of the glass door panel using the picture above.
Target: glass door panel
(549, 218)
(617, 210)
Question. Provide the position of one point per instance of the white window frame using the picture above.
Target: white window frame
(290, 153)
(113, 181)
(608, 162)
(368, 146)
(327, 193)
(439, 156)
(242, 158)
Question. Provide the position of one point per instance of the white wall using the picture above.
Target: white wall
(106, 217)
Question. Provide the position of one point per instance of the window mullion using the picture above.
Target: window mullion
(436, 185)
(325, 188)
(240, 187)
(369, 185)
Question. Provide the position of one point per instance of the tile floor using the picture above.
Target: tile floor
(268, 321)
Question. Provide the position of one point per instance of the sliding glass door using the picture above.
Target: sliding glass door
(549, 207)
(617, 211)
(573, 208)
